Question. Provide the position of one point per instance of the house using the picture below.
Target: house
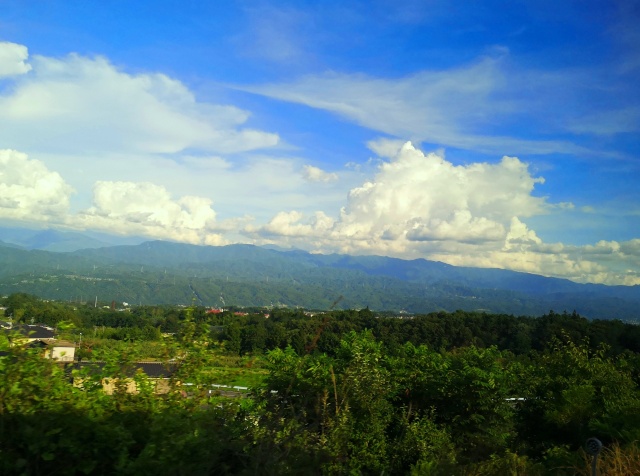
(43, 337)
(61, 350)
(157, 373)
(33, 332)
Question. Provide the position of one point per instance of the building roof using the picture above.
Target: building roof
(151, 369)
(156, 369)
(34, 331)
(61, 343)
(52, 343)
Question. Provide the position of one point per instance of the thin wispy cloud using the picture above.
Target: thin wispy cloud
(470, 107)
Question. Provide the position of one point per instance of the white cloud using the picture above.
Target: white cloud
(565, 206)
(385, 104)
(447, 107)
(86, 105)
(148, 209)
(430, 198)
(206, 163)
(29, 191)
(631, 248)
(257, 185)
(418, 198)
(461, 226)
(315, 174)
(422, 206)
(385, 147)
(520, 236)
(416, 206)
(291, 224)
(13, 59)
(608, 123)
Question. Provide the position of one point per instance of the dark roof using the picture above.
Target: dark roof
(156, 369)
(151, 369)
(39, 343)
(34, 331)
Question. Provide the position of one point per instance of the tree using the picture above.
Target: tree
(572, 393)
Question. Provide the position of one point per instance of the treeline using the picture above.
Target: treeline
(250, 332)
(140, 322)
(520, 335)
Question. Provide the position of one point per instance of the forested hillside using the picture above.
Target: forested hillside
(340, 392)
(244, 275)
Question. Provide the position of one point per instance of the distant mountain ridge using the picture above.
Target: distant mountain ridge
(247, 275)
(58, 241)
(160, 253)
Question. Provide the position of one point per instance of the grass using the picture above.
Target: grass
(614, 460)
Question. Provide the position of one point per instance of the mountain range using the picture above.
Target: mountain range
(158, 272)
(56, 240)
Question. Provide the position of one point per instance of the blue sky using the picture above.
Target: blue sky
(493, 134)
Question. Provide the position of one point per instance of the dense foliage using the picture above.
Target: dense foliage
(344, 392)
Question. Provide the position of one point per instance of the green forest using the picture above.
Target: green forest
(243, 275)
(336, 392)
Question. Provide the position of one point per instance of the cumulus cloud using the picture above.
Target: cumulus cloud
(29, 191)
(148, 209)
(422, 206)
(428, 198)
(13, 59)
(460, 227)
(315, 174)
(424, 198)
(292, 224)
(631, 248)
(607, 262)
(520, 236)
(80, 104)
